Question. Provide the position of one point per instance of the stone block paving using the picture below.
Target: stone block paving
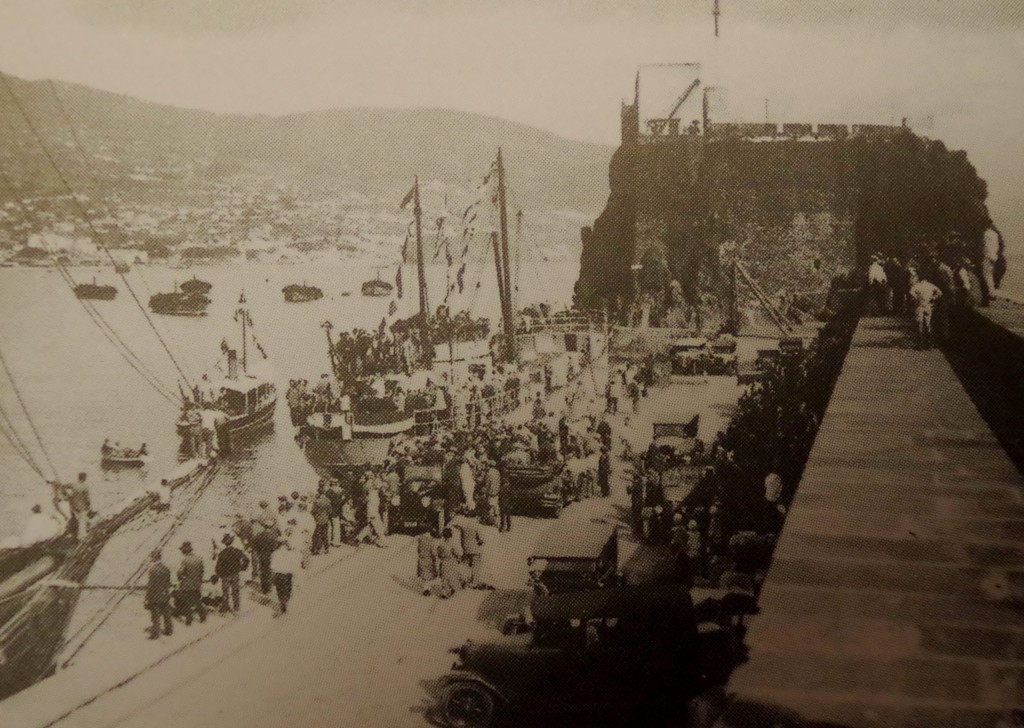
(896, 596)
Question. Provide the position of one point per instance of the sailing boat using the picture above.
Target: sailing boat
(244, 398)
(357, 428)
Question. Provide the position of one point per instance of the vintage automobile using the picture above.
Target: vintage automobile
(536, 487)
(419, 505)
(637, 649)
(583, 556)
(672, 443)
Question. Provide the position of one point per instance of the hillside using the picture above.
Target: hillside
(146, 153)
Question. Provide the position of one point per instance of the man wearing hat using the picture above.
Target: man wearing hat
(190, 584)
(158, 596)
(81, 506)
(231, 562)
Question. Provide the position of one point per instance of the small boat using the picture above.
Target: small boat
(94, 292)
(125, 457)
(179, 303)
(194, 285)
(294, 293)
(345, 293)
(376, 287)
(121, 268)
(243, 398)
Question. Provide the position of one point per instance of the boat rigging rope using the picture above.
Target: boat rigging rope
(101, 323)
(17, 444)
(88, 221)
(85, 157)
(28, 417)
(119, 596)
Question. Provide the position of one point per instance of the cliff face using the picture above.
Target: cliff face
(796, 214)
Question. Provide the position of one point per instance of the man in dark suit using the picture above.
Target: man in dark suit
(190, 584)
(158, 596)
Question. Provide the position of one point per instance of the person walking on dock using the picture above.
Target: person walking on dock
(158, 596)
(472, 546)
(924, 294)
(426, 561)
(81, 506)
(321, 511)
(264, 542)
(286, 563)
(190, 584)
(231, 562)
(604, 471)
(504, 504)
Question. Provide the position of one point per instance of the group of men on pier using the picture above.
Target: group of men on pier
(930, 288)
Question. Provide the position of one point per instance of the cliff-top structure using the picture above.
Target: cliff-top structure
(797, 205)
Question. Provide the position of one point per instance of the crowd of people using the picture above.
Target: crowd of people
(929, 289)
(723, 532)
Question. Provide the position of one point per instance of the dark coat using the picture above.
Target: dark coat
(231, 562)
(190, 573)
(158, 589)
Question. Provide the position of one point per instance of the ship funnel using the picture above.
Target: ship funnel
(232, 364)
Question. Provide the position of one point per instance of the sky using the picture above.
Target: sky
(561, 65)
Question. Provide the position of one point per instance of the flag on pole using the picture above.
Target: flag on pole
(398, 281)
(460, 277)
(392, 308)
(408, 197)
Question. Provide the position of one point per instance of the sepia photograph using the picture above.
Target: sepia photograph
(524, 363)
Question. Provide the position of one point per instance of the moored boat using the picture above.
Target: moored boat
(376, 288)
(94, 292)
(179, 303)
(194, 285)
(295, 293)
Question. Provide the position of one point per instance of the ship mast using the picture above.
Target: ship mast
(245, 348)
(421, 274)
(503, 266)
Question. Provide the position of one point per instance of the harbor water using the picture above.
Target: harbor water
(79, 390)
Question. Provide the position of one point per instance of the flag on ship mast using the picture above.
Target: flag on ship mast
(408, 197)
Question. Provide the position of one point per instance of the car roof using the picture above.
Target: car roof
(623, 601)
(580, 541)
(423, 472)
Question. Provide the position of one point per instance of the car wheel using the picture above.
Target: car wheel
(468, 705)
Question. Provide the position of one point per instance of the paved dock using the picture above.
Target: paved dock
(896, 597)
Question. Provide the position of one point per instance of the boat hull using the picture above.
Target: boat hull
(136, 462)
(261, 417)
(326, 455)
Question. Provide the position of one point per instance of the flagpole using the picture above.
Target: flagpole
(506, 308)
(420, 269)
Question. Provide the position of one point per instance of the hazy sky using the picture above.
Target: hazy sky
(562, 65)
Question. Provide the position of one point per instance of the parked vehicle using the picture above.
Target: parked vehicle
(536, 488)
(635, 649)
(419, 504)
(672, 443)
(583, 556)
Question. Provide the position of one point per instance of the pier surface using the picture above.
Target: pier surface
(895, 595)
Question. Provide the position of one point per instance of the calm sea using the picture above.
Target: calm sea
(79, 390)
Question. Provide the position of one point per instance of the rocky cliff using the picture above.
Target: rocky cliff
(796, 213)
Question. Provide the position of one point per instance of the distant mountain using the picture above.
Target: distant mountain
(138, 150)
